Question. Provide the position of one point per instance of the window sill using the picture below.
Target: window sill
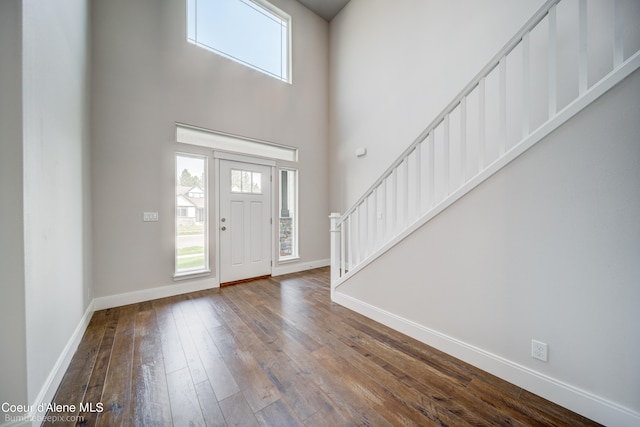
(288, 260)
(185, 275)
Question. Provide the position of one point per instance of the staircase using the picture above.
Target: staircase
(393, 255)
(490, 123)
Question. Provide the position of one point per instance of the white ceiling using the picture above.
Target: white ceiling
(325, 8)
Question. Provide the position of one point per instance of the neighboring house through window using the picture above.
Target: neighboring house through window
(190, 203)
(192, 247)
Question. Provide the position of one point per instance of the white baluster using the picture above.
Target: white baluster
(526, 87)
(418, 154)
(481, 124)
(405, 193)
(335, 248)
(446, 162)
(366, 235)
(583, 64)
(374, 222)
(463, 141)
(502, 108)
(552, 63)
(343, 253)
(431, 185)
(357, 238)
(618, 30)
(350, 239)
(383, 226)
(394, 202)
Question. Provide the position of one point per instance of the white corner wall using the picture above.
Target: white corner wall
(546, 249)
(57, 219)
(147, 77)
(13, 368)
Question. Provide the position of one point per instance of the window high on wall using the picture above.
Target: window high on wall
(252, 32)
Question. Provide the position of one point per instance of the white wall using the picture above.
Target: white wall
(56, 216)
(146, 77)
(394, 66)
(13, 368)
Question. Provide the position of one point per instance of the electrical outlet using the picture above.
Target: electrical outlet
(539, 350)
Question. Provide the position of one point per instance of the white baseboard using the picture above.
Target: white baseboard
(48, 390)
(179, 288)
(297, 267)
(584, 403)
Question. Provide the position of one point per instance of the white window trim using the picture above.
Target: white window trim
(285, 16)
(225, 142)
(296, 256)
(223, 155)
(206, 270)
(281, 15)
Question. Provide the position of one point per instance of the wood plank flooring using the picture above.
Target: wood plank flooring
(278, 352)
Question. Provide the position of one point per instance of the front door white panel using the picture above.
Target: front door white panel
(244, 220)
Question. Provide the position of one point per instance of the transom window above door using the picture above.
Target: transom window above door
(251, 32)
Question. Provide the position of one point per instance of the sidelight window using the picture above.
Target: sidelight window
(288, 221)
(192, 242)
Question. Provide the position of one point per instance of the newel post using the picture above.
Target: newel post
(335, 248)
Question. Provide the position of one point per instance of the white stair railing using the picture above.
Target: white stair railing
(526, 91)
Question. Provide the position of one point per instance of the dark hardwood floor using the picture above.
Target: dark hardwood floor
(277, 352)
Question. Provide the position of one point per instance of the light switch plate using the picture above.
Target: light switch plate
(150, 216)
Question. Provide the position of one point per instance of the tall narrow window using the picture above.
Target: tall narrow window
(288, 214)
(252, 32)
(192, 249)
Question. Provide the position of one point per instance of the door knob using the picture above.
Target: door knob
(223, 228)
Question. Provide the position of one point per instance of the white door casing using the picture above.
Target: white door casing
(244, 220)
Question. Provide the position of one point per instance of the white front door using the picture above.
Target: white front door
(244, 220)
